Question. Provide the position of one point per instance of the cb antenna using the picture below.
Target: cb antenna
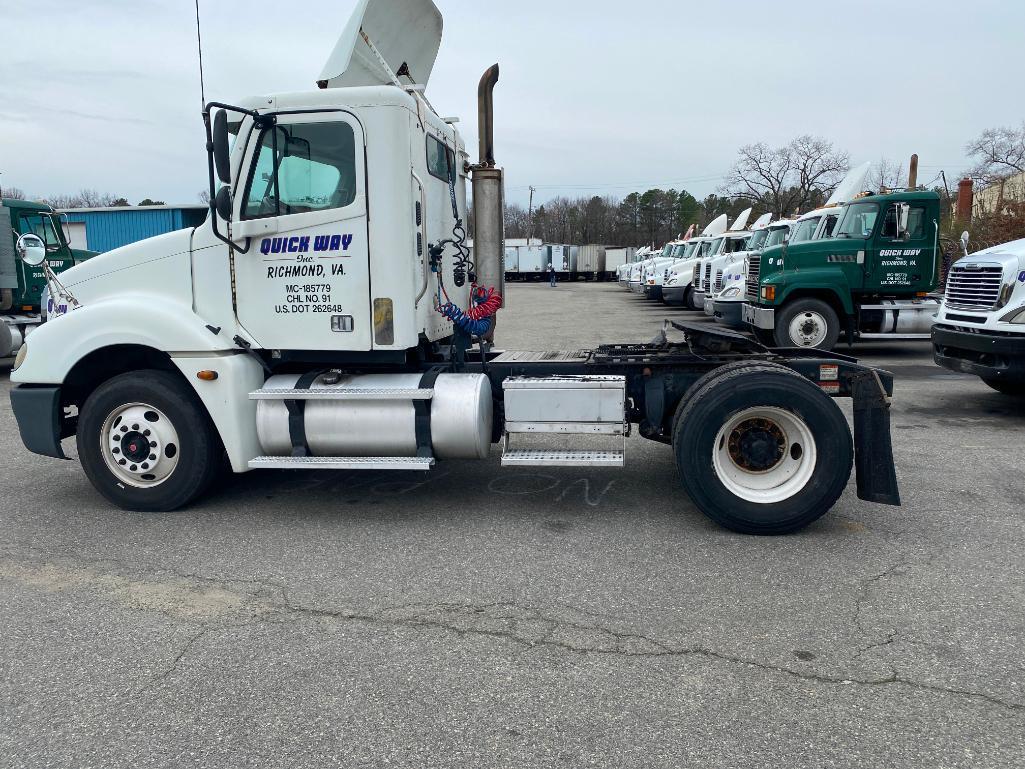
(199, 45)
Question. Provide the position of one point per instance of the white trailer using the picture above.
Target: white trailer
(295, 331)
(616, 258)
(591, 262)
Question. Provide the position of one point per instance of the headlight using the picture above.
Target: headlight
(730, 293)
(1014, 316)
(20, 357)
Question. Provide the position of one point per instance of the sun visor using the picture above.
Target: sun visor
(406, 34)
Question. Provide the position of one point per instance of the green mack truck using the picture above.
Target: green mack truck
(22, 286)
(873, 279)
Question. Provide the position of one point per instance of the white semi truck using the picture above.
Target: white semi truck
(728, 304)
(678, 281)
(731, 254)
(731, 241)
(327, 317)
(980, 327)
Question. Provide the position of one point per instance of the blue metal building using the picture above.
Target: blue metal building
(104, 229)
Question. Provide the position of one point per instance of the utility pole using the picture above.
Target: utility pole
(530, 216)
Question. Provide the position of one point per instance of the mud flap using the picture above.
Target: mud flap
(873, 447)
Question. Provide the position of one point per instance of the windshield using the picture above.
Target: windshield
(733, 245)
(667, 250)
(776, 236)
(713, 248)
(41, 224)
(757, 240)
(805, 229)
(858, 221)
(688, 250)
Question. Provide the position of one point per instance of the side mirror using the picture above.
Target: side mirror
(903, 213)
(222, 147)
(222, 203)
(965, 238)
(31, 249)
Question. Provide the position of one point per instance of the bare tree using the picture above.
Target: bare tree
(14, 193)
(787, 179)
(998, 153)
(888, 176)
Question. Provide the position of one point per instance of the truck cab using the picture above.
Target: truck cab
(728, 304)
(871, 280)
(732, 239)
(980, 327)
(22, 287)
(655, 275)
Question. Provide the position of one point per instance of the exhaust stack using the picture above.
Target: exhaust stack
(913, 173)
(488, 194)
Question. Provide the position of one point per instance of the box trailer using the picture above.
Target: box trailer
(591, 262)
(616, 258)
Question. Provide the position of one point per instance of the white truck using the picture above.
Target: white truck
(732, 240)
(678, 281)
(730, 254)
(728, 304)
(980, 327)
(327, 317)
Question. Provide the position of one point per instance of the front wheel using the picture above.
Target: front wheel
(808, 323)
(146, 442)
(761, 450)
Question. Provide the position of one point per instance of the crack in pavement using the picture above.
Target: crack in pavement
(528, 627)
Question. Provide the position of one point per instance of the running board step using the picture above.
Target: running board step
(557, 458)
(342, 463)
(341, 394)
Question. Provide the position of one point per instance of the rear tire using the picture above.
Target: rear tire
(808, 324)
(761, 450)
(1014, 389)
(146, 442)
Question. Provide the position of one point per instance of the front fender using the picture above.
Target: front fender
(140, 319)
(814, 281)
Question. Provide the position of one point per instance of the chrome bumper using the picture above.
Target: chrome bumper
(760, 317)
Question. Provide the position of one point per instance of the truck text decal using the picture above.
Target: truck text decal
(301, 245)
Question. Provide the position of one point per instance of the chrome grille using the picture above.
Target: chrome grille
(977, 289)
(707, 280)
(697, 274)
(754, 268)
(718, 281)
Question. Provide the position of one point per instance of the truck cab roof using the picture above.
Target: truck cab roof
(25, 205)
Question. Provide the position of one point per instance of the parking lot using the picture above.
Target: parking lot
(539, 617)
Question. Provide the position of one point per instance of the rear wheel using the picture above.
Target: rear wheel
(1016, 389)
(146, 442)
(807, 323)
(761, 450)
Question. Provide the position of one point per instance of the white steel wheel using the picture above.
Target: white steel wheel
(140, 445)
(808, 329)
(764, 454)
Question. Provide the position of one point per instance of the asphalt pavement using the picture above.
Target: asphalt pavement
(480, 617)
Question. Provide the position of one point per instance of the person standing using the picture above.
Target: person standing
(551, 272)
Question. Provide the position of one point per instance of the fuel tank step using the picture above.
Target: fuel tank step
(562, 458)
(342, 394)
(341, 463)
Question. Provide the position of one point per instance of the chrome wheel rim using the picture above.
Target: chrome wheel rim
(764, 454)
(139, 445)
(808, 329)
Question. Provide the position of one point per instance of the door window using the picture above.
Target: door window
(301, 168)
(916, 222)
(41, 224)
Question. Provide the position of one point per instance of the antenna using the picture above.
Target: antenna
(199, 45)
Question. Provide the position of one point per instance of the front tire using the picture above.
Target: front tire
(809, 324)
(761, 450)
(146, 442)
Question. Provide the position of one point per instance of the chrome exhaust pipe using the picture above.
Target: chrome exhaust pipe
(488, 194)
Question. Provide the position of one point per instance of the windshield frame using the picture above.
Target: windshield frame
(770, 241)
(805, 229)
(758, 237)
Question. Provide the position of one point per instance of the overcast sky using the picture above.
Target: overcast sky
(596, 97)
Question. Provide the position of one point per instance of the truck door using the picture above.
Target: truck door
(901, 264)
(305, 282)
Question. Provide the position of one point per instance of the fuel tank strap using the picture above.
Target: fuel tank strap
(422, 408)
(297, 415)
